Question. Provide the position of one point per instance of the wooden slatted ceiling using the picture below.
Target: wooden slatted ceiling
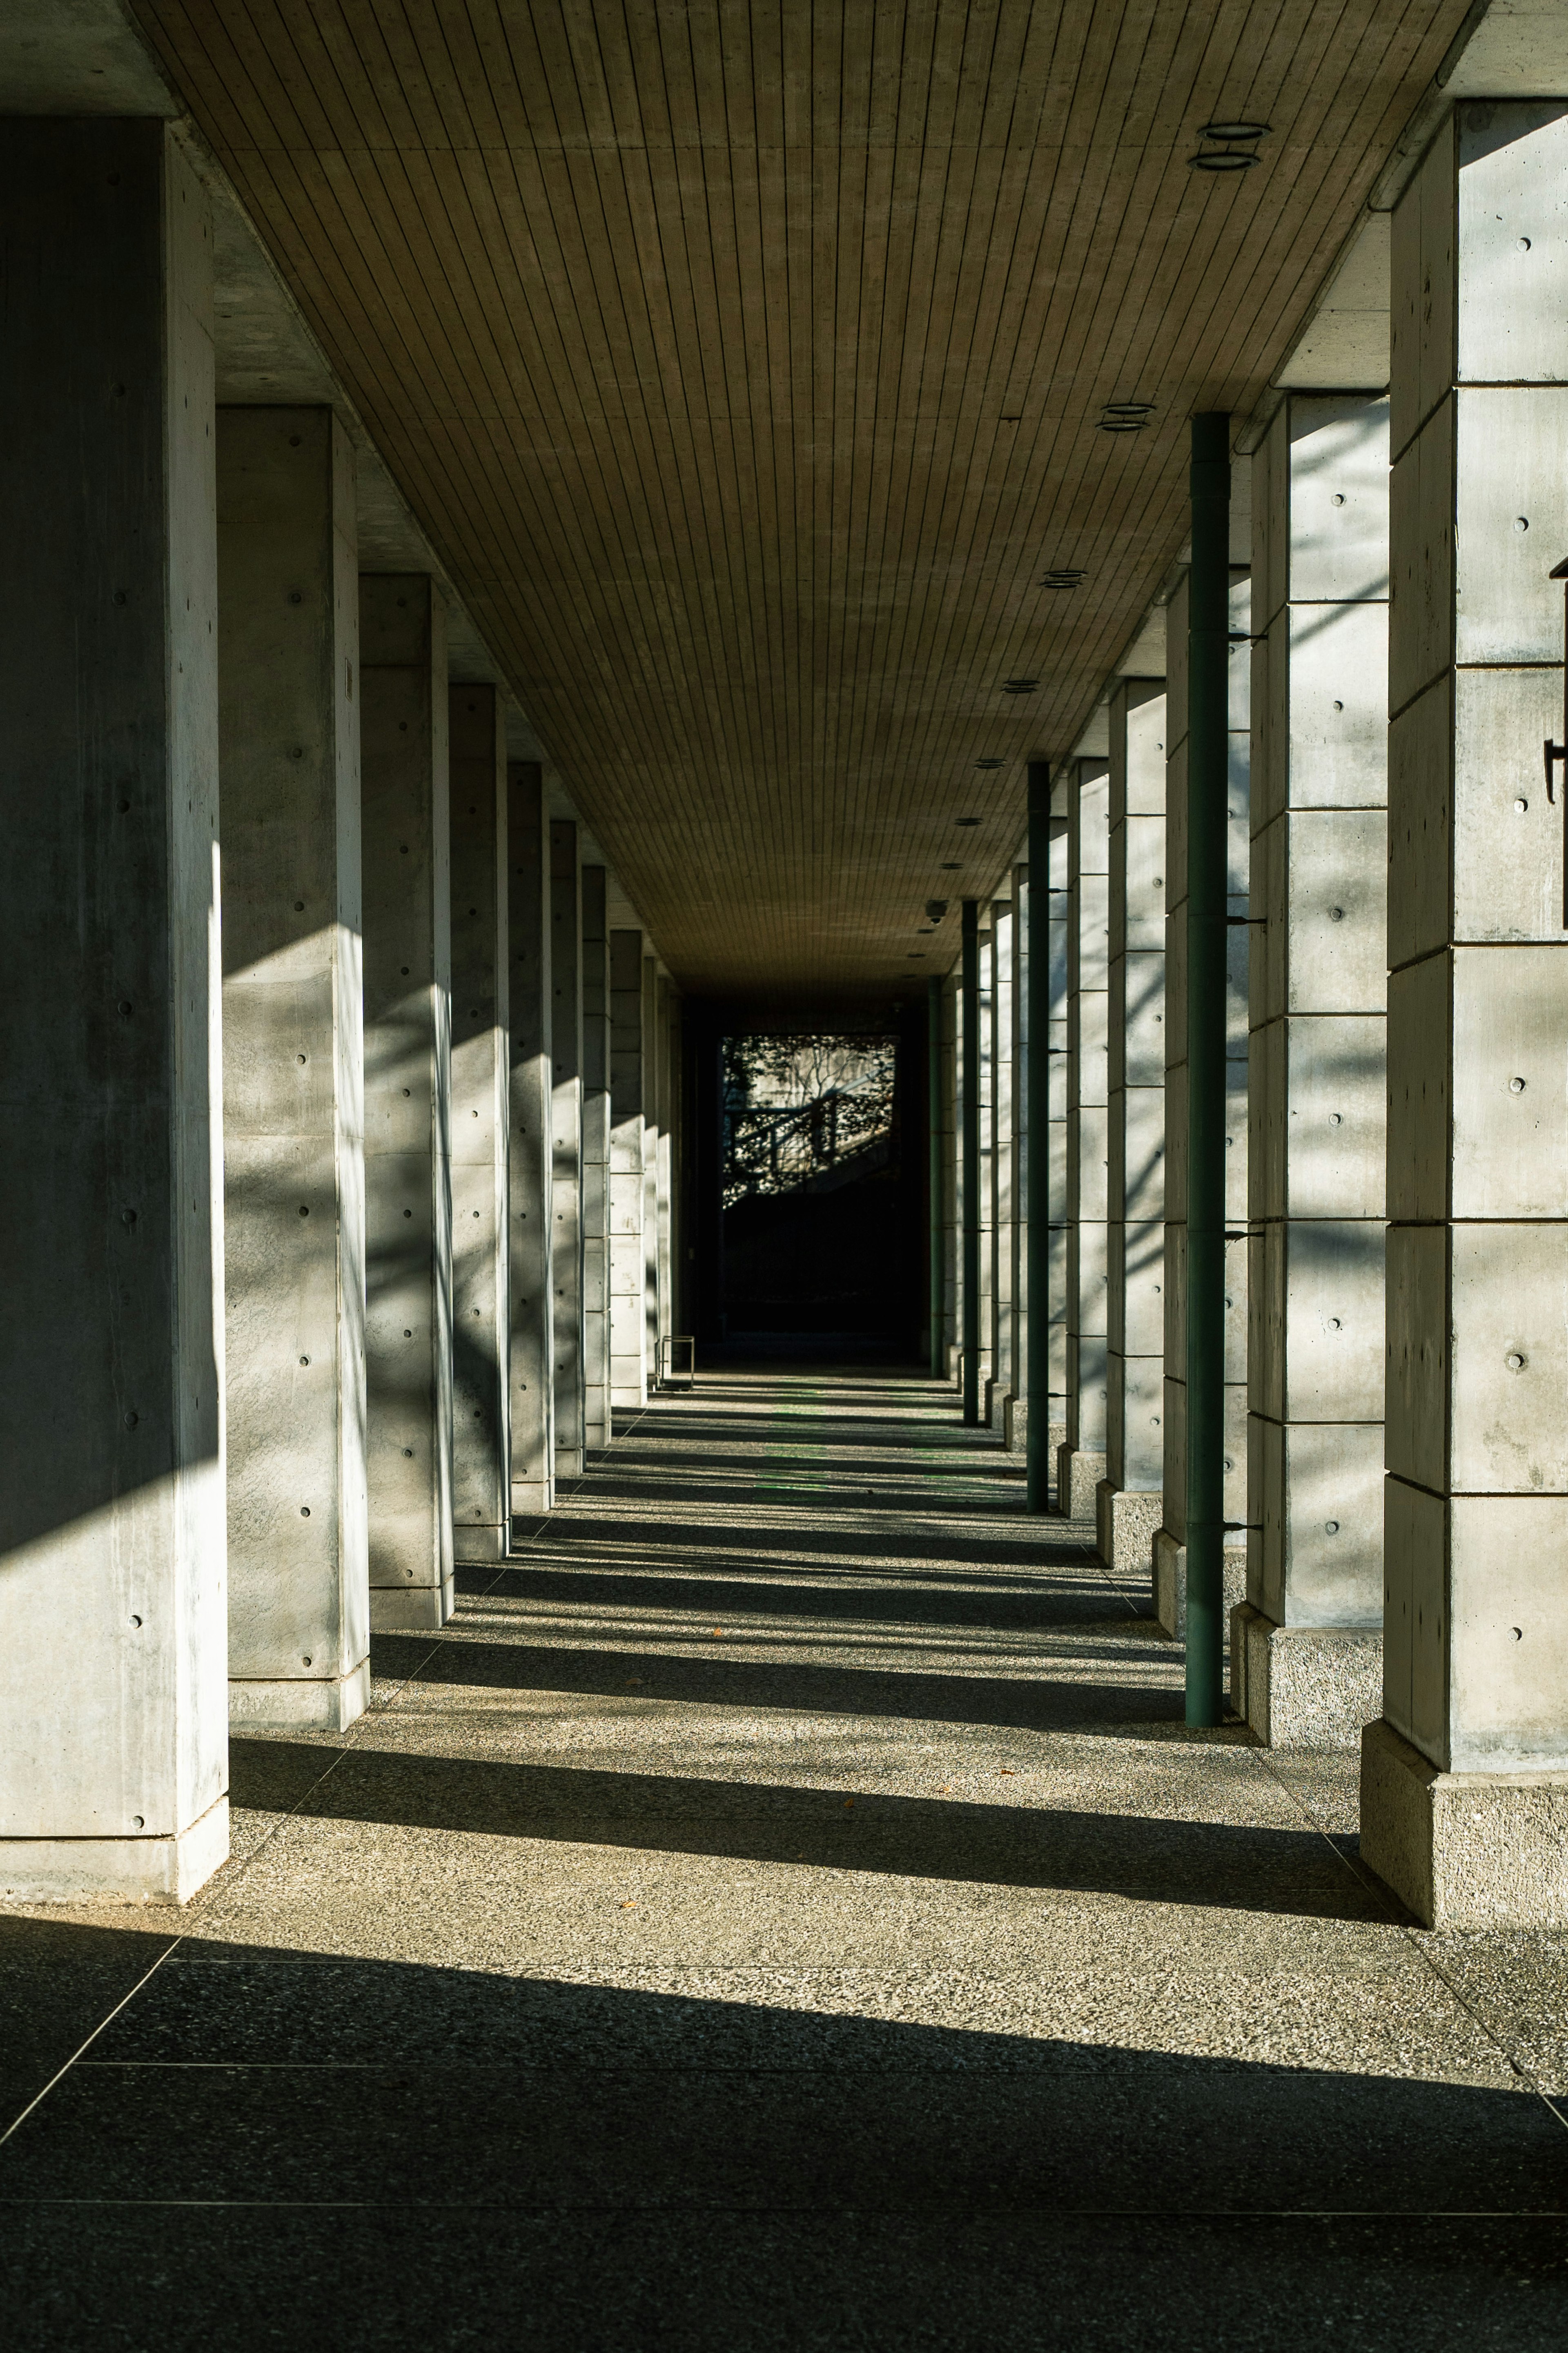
(742, 359)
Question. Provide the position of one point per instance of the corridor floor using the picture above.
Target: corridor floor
(784, 1908)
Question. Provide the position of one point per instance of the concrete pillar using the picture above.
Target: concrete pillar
(1169, 1563)
(1059, 1069)
(952, 1183)
(407, 1097)
(665, 1017)
(566, 1146)
(482, 1445)
(1464, 1779)
(628, 1364)
(114, 1773)
(987, 1009)
(299, 1573)
(533, 1323)
(1000, 1387)
(1306, 1645)
(651, 1142)
(596, 1158)
(1129, 1498)
(1015, 1406)
(1082, 1459)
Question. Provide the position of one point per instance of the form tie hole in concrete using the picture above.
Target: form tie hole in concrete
(1516, 1086)
(304, 1212)
(407, 1213)
(1515, 1363)
(1331, 1527)
(136, 1621)
(1517, 1633)
(1334, 1324)
(1336, 914)
(1519, 808)
(409, 1457)
(138, 1821)
(304, 1515)
(407, 1334)
(304, 1360)
(299, 910)
(1522, 523)
(1336, 1119)
(132, 1419)
(305, 1662)
(298, 1058)
(125, 1005)
(1339, 498)
(1339, 706)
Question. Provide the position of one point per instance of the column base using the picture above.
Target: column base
(569, 1463)
(410, 1608)
(1168, 1560)
(530, 1497)
(1124, 1522)
(303, 1704)
(1078, 1476)
(1304, 1686)
(115, 1870)
(1464, 1850)
(1015, 1424)
(476, 1544)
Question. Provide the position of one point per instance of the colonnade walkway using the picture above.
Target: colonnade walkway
(784, 1907)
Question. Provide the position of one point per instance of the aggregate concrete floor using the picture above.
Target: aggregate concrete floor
(785, 1909)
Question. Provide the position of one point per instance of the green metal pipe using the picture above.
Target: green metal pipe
(969, 1150)
(1209, 593)
(933, 1147)
(1039, 1469)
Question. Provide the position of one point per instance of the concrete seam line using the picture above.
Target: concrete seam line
(108, 2020)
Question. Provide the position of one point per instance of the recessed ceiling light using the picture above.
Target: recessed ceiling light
(950, 865)
(1125, 415)
(1063, 578)
(1234, 153)
(966, 820)
(1007, 420)
(1019, 685)
(988, 763)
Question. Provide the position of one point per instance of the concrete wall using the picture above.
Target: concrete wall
(596, 1158)
(628, 1363)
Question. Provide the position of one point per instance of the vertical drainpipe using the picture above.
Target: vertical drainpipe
(1039, 1469)
(933, 1166)
(970, 1006)
(1207, 657)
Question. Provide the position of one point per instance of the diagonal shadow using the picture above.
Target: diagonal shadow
(1216, 1865)
(1010, 1703)
(1034, 1606)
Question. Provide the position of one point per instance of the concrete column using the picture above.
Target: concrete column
(407, 1097)
(1306, 1645)
(114, 1768)
(1169, 1563)
(665, 1017)
(1059, 1068)
(1001, 1196)
(952, 1183)
(1129, 1498)
(1465, 1779)
(1015, 1406)
(481, 1415)
(566, 1146)
(533, 1322)
(628, 1367)
(298, 1589)
(650, 1143)
(1081, 1461)
(987, 1002)
(596, 1158)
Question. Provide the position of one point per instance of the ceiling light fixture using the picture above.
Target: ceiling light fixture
(966, 820)
(950, 865)
(1233, 149)
(936, 909)
(1064, 577)
(1019, 685)
(989, 764)
(1125, 415)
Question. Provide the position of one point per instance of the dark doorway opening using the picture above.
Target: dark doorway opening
(816, 1223)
